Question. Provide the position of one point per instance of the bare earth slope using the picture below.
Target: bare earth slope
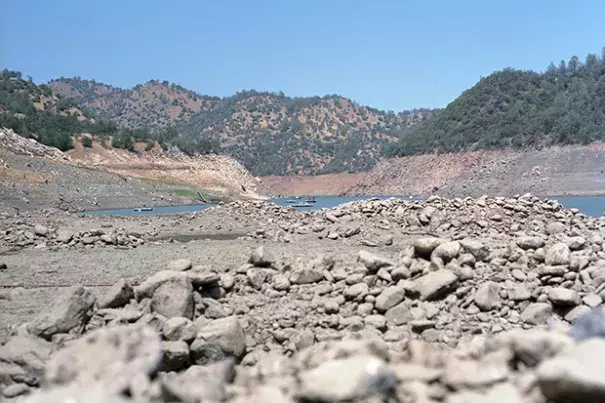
(555, 171)
(33, 176)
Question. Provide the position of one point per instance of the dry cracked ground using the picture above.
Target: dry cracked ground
(446, 300)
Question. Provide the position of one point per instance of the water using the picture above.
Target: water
(589, 205)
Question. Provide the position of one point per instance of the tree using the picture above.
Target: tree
(87, 141)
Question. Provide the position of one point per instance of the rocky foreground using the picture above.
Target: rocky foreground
(462, 300)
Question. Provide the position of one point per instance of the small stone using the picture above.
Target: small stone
(529, 242)
(436, 284)
(558, 254)
(174, 298)
(40, 230)
(118, 295)
(389, 297)
(218, 340)
(592, 300)
(423, 247)
(487, 296)
(372, 262)
(179, 265)
(179, 329)
(563, 297)
(537, 313)
(175, 355)
(14, 390)
(262, 258)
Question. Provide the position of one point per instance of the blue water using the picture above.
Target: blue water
(590, 205)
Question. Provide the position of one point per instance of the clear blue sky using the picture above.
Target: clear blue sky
(389, 54)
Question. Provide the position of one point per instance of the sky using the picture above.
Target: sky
(388, 54)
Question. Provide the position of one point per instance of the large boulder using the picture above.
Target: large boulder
(69, 310)
(110, 357)
(23, 358)
(436, 284)
(218, 340)
(174, 299)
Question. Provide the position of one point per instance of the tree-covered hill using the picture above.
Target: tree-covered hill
(514, 108)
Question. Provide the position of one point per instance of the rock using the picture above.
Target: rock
(591, 324)
(23, 358)
(558, 254)
(305, 275)
(563, 297)
(108, 239)
(537, 313)
(519, 292)
(179, 329)
(576, 243)
(75, 393)
(179, 265)
(64, 236)
(175, 355)
(262, 258)
(118, 295)
(436, 284)
(388, 298)
(40, 230)
(109, 357)
(65, 313)
(356, 290)
(476, 248)
(487, 296)
(197, 279)
(554, 228)
(529, 242)
(577, 375)
(280, 283)
(372, 262)
(199, 383)
(446, 252)
(423, 247)
(576, 313)
(14, 390)
(347, 379)
(592, 300)
(218, 340)
(174, 298)
(352, 232)
(532, 346)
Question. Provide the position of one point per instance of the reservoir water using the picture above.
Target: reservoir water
(589, 205)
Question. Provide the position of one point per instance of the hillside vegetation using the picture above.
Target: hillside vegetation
(270, 133)
(519, 109)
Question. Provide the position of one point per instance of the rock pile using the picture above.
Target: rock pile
(501, 302)
(23, 235)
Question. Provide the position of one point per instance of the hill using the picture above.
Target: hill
(519, 109)
(271, 134)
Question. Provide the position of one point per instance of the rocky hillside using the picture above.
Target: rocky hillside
(271, 134)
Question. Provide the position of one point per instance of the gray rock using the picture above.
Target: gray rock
(347, 379)
(179, 265)
(179, 329)
(519, 292)
(576, 313)
(446, 252)
(356, 290)
(537, 313)
(40, 230)
(577, 375)
(389, 297)
(423, 247)
(199, 383)
(175, 356)
(280, 283)
(109, 239)
(592, 300)
(64, 236)
(373, 262)
(560, 296)
(555, 227)
(69, 310)
(529, 242)
(436, 284)
(92, 393)
(109, 357)
(218, 340)
(476, 248)
(305, 275)
(118, 295)
(262, 258)
(197, 279)
(576, 243)
(487, 296)
(23, 358)
(590, 324)
(174, 298)
(558, 254)
(14, 390)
